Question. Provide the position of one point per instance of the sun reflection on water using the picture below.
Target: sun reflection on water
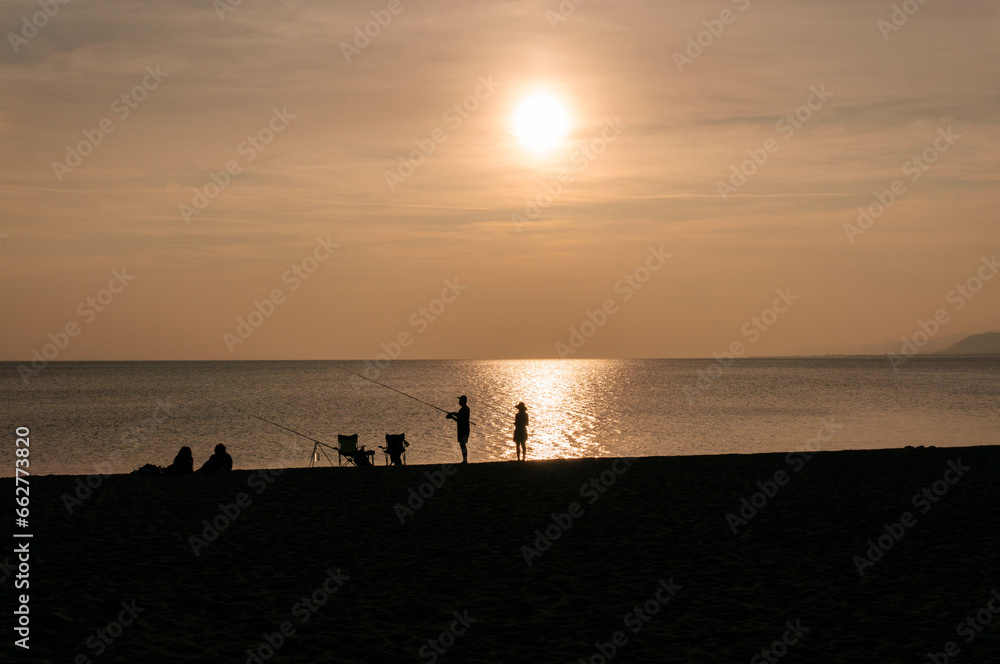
(554, 392)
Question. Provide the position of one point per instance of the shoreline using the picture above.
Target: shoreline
(530, 461)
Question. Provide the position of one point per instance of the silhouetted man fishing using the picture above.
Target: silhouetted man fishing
(462, 418)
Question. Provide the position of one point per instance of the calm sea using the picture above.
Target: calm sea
(117, 416)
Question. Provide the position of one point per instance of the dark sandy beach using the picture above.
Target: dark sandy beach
(648, 566)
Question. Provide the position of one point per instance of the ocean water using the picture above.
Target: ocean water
(113, 417)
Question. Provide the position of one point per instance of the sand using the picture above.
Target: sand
(455, 572)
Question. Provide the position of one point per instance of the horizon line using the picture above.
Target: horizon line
(935, 355)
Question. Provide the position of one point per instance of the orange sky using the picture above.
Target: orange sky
(332, 119)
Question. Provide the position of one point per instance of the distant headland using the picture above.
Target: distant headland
(987, 343)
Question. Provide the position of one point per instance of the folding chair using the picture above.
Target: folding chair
(349, 448)
(395, 443)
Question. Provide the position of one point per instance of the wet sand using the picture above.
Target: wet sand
(649, 564)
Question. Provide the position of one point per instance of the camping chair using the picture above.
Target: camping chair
(348, 448)
(395, 443)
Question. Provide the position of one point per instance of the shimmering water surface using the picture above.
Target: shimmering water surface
(90, 413)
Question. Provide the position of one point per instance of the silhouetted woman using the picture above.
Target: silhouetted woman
(521, 432)
(183, 463)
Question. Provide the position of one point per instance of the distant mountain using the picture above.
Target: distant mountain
(978, 344)
(945, 344)
(935, 345)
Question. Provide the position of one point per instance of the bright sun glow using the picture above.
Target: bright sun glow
(541, 122)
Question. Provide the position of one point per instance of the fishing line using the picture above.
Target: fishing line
(507, 412)
(483, 403)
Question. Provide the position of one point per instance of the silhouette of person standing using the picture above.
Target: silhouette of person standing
(462, 418)
(521, 431)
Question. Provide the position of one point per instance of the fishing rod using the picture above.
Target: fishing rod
(483, 403)
(319, 444)
(264, 419)
(397, 391)
(507, 412)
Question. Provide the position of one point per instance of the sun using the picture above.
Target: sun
(541, 121)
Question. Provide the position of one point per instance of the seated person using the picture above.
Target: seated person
(362, 457)
(220, 462)
(183, 463)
